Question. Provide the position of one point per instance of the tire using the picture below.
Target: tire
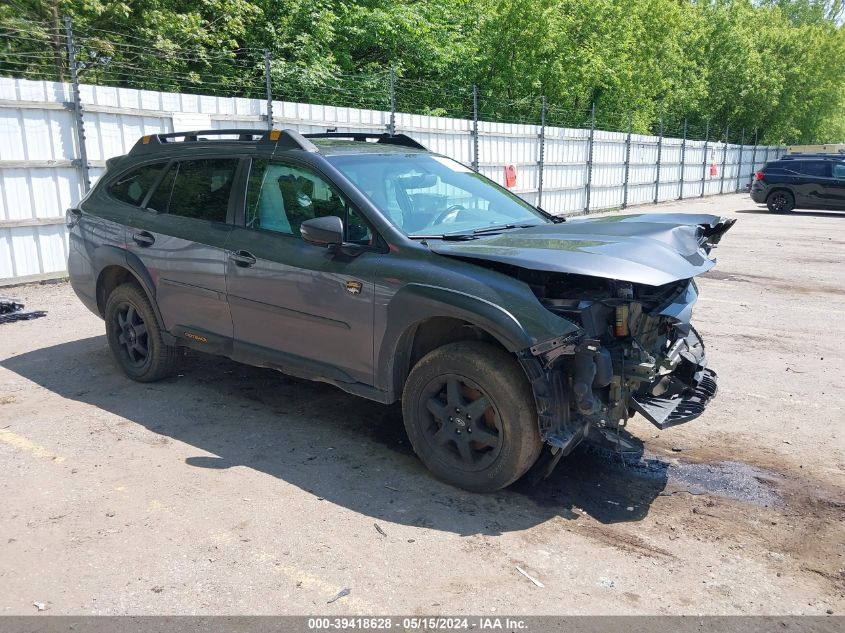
(470, 415)
(780, 201)
(135, 337)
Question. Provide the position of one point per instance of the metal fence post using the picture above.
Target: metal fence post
(704, 164)
(627, 159)
(541, 162)
(590, 159)
(754, 156)
(659, 158)
(683, 162)
(269, 89)
(724, 159)
(82, 161)
(475, 127)
(392, 126)
(741, 152)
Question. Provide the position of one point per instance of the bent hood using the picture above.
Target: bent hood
(650, 248)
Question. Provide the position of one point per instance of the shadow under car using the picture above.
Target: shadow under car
(340, 448)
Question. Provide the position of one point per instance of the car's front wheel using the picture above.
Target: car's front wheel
(780, 201)
(134, 336)
(470, 415)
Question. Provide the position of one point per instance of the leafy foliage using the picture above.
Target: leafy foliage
(774, 66)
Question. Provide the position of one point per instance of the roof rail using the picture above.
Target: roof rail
(282, 139)
(384, 137)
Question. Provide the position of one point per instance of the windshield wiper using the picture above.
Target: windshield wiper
(456, 237)
(471, 236)
(501, 227)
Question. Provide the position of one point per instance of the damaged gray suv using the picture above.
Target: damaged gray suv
(367, 262)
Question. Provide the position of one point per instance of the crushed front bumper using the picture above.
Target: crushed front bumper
(579, 386)
(664, 411)
(682, 389)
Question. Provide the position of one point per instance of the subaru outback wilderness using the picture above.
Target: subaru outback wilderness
(392, 272)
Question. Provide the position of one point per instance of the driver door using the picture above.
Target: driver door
(295, 306)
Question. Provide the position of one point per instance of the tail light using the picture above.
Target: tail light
(759, 175)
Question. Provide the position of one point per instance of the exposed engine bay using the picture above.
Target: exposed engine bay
(636, 353)
(638, 346)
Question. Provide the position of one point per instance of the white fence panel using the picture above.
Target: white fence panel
(40, 175)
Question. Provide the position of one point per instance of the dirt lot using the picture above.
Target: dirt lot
(229, 489)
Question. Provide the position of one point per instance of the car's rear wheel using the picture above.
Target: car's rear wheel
(134, 336)
(470, 415)
(780, 201)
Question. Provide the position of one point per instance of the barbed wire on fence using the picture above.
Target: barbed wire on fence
(38, 50)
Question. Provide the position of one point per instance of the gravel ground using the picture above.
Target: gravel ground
(228, 489)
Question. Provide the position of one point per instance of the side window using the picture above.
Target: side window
(815, 168)
(133, 186)
(839, 170)
(197, 189)
(281, 197)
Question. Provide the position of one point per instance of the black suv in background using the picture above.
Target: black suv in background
(392, 272)
(801, 182)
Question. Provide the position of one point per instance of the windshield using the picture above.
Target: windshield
(424, 194)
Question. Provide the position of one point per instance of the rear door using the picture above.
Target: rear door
(295, 306)
(181, 240)
(103, 220)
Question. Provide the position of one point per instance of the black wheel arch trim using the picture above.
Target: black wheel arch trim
(416, 303)
(105, 256)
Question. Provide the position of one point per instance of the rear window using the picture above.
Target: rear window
(134, 185)
(788, 165)
(197, 189)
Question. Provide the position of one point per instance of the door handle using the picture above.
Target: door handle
(144, 239)
(244, 259)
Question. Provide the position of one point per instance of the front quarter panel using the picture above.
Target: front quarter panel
(415, 285)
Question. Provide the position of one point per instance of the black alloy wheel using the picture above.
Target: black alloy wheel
(462, 422)
(131, 332)
(471, 416)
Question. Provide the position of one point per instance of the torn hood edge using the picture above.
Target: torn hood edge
(648, 248)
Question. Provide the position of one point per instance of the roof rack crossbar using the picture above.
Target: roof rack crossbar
(190, 136)
(193, 134)
(383, 137)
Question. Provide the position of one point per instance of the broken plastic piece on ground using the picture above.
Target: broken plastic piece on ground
(12, 310)
(529, 576)
(342, 593)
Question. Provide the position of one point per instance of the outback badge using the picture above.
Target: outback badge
(354, 287)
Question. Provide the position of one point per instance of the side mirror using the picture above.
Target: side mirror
(326, 231)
